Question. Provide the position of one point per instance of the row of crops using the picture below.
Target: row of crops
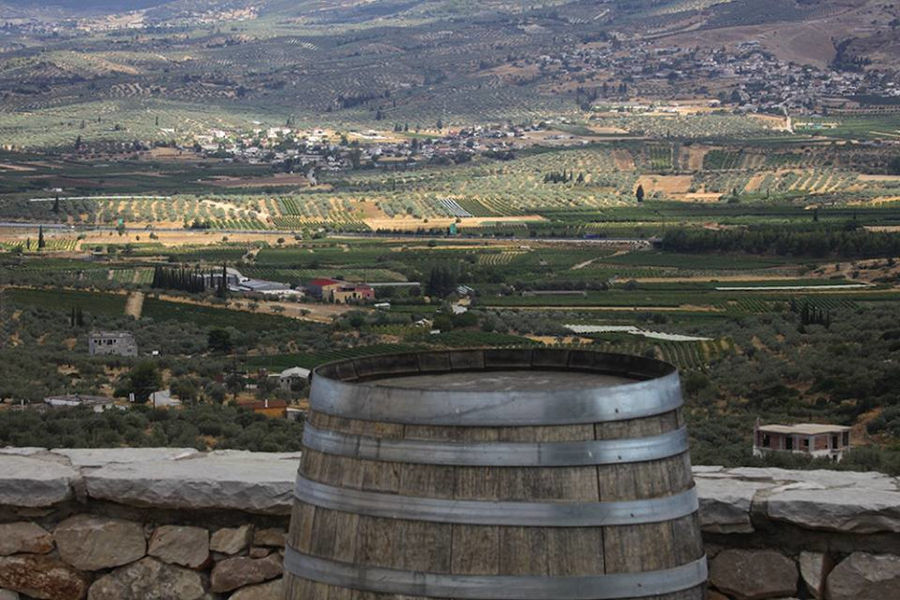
(698, 126)
(744, 302)
(114, 305)
(51, 244)
(296, 223)
(310, 360)
(300, 275)
(808, 181)
(684, 355)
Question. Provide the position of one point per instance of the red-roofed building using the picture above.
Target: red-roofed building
(322, 288)
(335, 290)
(350, 292)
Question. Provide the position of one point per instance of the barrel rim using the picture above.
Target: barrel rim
(337, 389)
(512, 513)
(607, 586)
(657, 369)
(496, 454)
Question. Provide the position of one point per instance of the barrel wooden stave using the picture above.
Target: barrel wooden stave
(468, 549)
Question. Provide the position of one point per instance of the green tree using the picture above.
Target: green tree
(222, 291)
(41, 241)
(441, 281)
(143, 380)
(639, 193)
(219, 340)
(894, 165)
(186, 389)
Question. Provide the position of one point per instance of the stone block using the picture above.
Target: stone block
(845, 509)
(254, 483)
(185, 546)
(100, 457)
(92, 543)
(272, 590)
(240, 571)
(24, 537)
(274, 537)
(231, 540)
(814, 568)
(725, 504)
(863, 576)
(31, 482)
(754, 574)
(43, 577)
(149, 579)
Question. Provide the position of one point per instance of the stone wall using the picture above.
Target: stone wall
(774, 533)
(158, 523)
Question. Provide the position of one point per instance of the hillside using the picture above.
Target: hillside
(422, 62)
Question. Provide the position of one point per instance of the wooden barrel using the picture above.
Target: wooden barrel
(492, 474)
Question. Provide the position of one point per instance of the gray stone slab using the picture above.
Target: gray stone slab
(23, 451)
(100, 457)
(863, 576)
(822, 479)
(725, 504)
(850, 510)
(255, 483)
(253, 455)
(34, 483)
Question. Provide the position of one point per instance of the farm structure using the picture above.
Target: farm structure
(237, 282)
(98, 404)
(117, 343)
(342, 292)
(821, 441)
(495, 473)
(291, 378)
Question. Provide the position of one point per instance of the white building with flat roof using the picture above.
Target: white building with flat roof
(117, 343)
(819, 441)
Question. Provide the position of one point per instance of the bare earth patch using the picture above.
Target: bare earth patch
(695, 156)
(667, 184)
(283, 179)
(408, 224)
(888, 178)
(623, 159)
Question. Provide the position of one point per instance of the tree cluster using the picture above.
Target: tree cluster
(810, 314)
(563, 177)
(815, 241)
(442, 281)
(188, 280)
(202, 426)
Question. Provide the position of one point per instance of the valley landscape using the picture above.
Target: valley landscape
(712, 183)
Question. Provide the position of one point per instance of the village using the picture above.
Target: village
(744, 75)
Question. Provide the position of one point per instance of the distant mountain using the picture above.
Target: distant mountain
(109, 6)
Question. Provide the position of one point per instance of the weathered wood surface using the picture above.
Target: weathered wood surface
(461, 549)
(494, 550)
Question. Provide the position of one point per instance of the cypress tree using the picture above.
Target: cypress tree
(223, 284)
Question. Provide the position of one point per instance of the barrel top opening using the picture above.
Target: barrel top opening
(497, 370)
(506, 380)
